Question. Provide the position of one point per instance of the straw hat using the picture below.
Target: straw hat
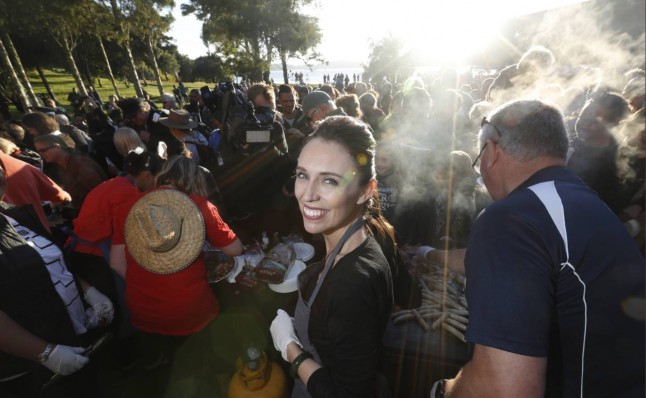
(178, 119)
(164, 231)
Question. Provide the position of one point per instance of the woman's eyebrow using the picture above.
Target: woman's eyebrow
(323, 173)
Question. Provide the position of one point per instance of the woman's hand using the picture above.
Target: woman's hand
(282, 332)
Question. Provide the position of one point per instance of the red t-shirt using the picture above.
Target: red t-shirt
(97, 216)
(181, 303)
(28, 185)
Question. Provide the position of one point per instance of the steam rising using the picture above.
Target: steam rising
(589, 55)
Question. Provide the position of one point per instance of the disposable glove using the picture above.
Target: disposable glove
(100, 311)
(66, 360)
(282, 332)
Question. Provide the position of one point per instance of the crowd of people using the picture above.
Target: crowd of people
(530, 182)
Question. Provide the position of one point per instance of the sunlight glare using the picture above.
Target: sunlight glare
(449, 33)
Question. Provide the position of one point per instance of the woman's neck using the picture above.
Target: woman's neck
(354, 241)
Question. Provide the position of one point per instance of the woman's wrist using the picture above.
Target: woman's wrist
(293, 369)
(293, 350)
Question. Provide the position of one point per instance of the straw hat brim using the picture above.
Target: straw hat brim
(190, 242)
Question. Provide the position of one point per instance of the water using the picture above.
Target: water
(314, 76)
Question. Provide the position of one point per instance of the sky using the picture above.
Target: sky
(348, 27)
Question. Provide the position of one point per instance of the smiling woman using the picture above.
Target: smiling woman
(344, 304)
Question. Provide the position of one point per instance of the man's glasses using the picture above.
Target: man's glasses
(43, 150)
(482, 124)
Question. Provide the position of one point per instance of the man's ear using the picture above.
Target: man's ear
(494, 153)
(366, 195)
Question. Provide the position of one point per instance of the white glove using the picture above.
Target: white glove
(100, 311)
(66, 360)
(282, 332)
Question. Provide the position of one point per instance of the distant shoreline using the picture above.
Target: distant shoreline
(315, 76)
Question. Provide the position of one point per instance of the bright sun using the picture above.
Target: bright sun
(448, 33)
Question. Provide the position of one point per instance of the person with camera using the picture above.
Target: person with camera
(264, 108)
(138, 115)
(254, 149)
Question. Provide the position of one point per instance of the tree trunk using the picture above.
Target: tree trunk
(283, 61)
(20, 91)
(131, 60)
(155, 66)
(88, 75)
(20, 71)
(45, 82)
(75, 71)
(142, 75)
(255, 51)
(133, 71)
(107, 64)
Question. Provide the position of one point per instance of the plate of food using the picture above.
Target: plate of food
(218, 265)
(304, 251)
(290, 283)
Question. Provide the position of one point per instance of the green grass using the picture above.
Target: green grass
(62, 83)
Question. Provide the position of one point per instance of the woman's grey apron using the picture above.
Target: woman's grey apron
(302, 313)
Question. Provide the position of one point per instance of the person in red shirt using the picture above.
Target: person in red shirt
(96, 222)
(28, 185)
(170, 298)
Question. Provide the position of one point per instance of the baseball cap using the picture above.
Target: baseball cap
(312, 100)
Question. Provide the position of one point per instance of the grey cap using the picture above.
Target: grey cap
(312, 100)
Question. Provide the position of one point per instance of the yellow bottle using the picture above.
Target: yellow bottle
(257, 377)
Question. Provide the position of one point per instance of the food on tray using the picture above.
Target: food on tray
(272, 268)
(218, 265)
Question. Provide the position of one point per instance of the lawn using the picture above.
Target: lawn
(62, 83)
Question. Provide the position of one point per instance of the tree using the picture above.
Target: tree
(100, 30)
(120, 12)
(249, 33)
(9, 24)
(386, 60)
(64, 21)
(20, 70)
(18, 89)
(37, 50)
(127, 16)
(151, 26)
(295, 36)
(208, 68)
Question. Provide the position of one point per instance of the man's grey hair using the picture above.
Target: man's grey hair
(529, 129)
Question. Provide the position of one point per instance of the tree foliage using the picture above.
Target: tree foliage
(248, 34)
(386, 60)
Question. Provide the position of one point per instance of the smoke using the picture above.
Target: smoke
(590, 50)
(594, 44)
